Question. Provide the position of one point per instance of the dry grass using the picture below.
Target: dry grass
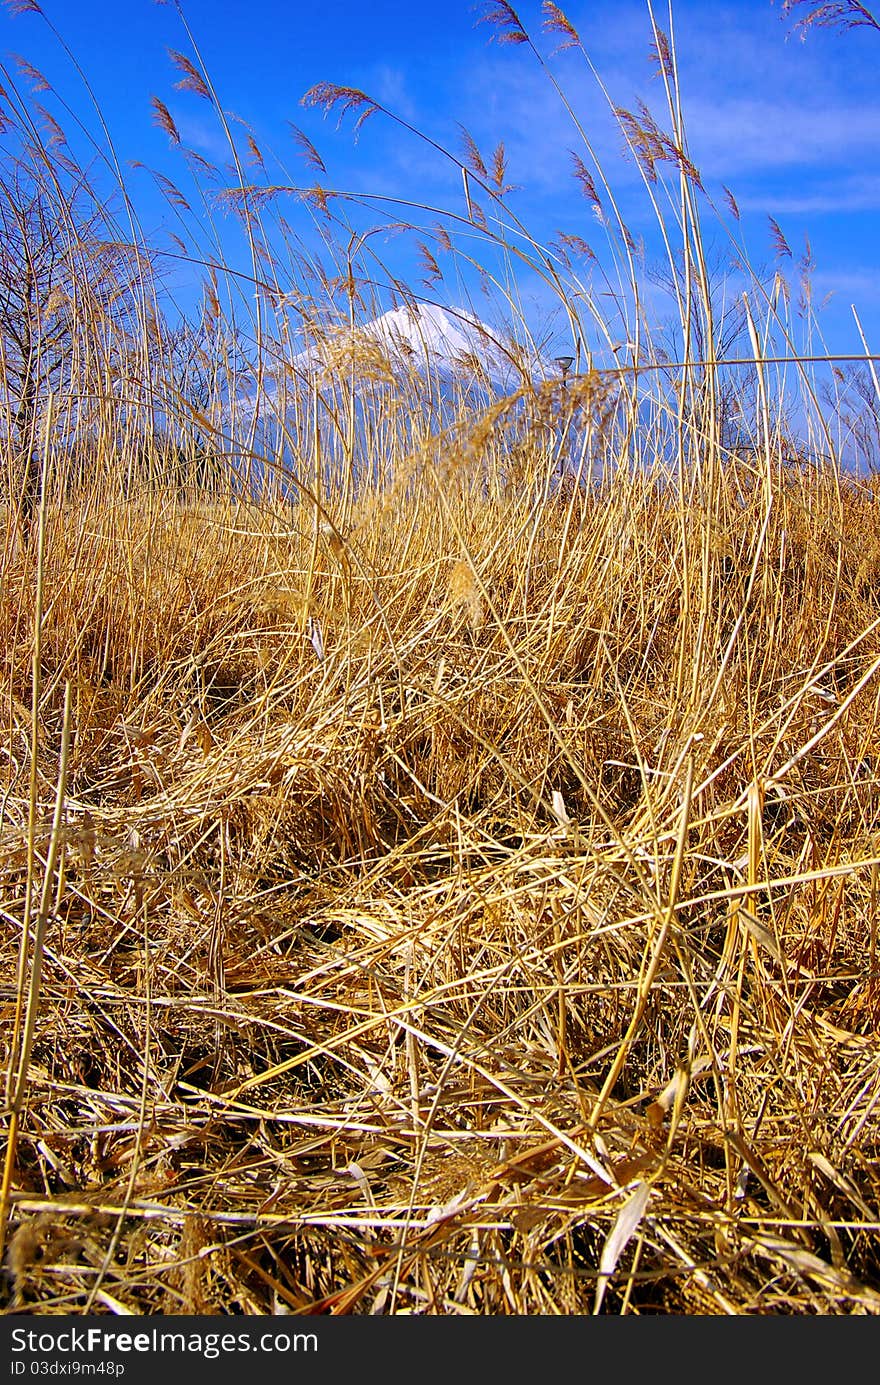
(448, 891)
(343, 952)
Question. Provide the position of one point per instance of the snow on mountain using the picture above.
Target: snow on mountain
(433, 333)
(440, 360)
(436, 341)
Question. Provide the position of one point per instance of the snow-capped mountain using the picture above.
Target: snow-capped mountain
(441, 363)
(436, 341)
(432, 334)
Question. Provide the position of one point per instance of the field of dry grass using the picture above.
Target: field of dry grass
(453, 894)
(379, 981)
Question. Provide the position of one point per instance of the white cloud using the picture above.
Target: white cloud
(203, 135)
(756, 134)
(848, 285)
(857, 194)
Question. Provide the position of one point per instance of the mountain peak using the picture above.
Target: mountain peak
(428, 331)
(451, 342)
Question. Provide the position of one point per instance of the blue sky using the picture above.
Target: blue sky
(792, 127)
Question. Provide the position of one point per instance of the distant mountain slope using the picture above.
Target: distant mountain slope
(440, 341)
(422, 364)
